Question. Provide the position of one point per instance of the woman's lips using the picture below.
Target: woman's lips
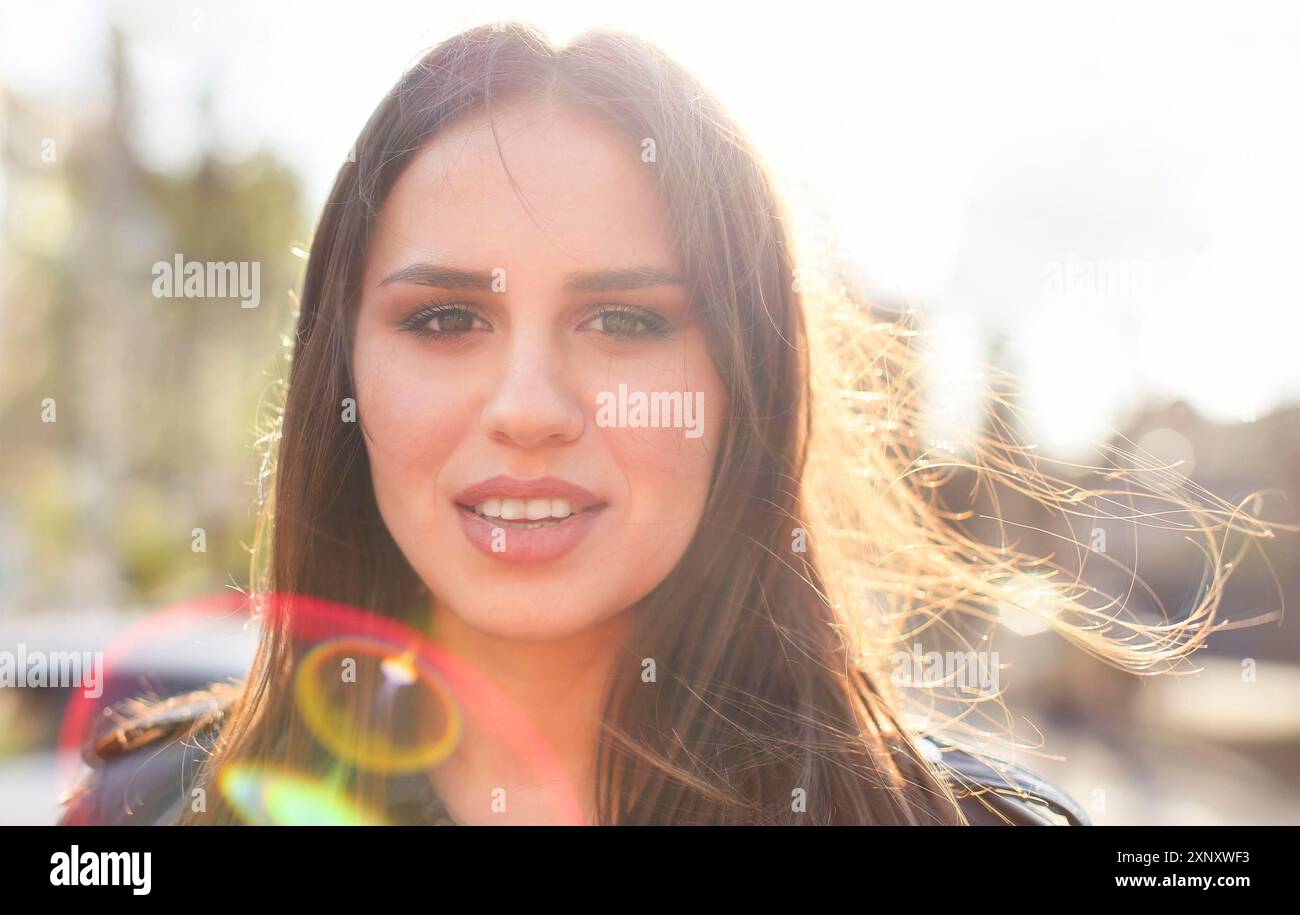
(502, 540)
(509, 539)
(502, 487)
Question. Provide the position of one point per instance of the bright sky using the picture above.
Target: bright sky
(1112, 187)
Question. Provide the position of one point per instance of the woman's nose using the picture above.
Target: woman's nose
(532, 405)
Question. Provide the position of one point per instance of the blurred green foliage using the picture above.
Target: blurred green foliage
(156, 401)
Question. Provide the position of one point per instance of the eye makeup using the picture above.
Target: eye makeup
(441, 320)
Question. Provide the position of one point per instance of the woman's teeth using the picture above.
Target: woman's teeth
(536, 512)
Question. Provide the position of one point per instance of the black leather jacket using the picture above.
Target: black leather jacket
(141, 774)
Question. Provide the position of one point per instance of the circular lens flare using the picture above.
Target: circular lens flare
(376, 707)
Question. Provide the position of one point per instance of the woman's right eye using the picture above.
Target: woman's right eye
(442, 321)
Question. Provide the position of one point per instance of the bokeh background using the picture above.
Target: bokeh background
(1099, 198)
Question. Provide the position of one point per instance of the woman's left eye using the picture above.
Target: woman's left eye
(629, 322)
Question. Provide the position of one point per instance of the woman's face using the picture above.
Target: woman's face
(502, 348)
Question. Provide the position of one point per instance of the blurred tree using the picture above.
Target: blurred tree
(157, 398)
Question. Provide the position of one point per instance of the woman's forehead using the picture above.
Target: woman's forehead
(570, 192)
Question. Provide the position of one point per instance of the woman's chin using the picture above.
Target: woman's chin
(503, 613)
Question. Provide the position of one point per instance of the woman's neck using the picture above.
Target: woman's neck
(500, 776)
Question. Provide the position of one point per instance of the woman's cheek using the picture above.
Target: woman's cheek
(413, 418)
(690, 423)
(666, 471)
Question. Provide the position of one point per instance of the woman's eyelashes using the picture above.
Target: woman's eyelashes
(453, 320)
(629, 321)
(442, 321)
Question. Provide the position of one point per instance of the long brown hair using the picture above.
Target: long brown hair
(768, 653)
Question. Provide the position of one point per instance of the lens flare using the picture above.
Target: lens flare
(376, 692)
(267, 797)
(377, 707)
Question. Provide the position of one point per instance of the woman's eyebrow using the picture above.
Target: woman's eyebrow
(442, 277)
(617, 280)
(580, 281)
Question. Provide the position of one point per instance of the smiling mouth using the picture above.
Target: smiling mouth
(526, 514)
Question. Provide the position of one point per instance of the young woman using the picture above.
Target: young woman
(566, 410)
